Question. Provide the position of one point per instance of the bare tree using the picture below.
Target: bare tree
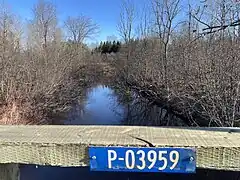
(143, 27)
(165, 12)
(44, 23)
(10, 34)
(81, 28)
(126, 21)
(125, 28)
(10, 27)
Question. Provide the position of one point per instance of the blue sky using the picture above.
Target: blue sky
(103, 12)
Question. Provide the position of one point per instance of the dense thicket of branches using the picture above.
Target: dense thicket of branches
(41, 75)
(188, 65)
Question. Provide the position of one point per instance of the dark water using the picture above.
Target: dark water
(56, 173)
(104, 107)
(100, 108)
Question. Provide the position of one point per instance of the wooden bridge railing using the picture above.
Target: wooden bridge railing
(68, 145)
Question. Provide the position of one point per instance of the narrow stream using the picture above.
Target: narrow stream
(102, 107)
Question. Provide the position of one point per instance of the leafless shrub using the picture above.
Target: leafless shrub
(195, 74)
(38, 82)
(36, 85)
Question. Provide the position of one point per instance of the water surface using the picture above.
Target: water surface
(103, 106)
(100, 108)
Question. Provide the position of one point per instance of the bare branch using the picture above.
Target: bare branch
(199, 20)
(125, 24)
(81, 28)
(43, 25)
(235, 23)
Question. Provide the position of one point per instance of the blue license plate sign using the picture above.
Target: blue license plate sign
(132, 159)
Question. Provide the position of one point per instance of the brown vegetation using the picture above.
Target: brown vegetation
(191, 71)
(33, 85)
(44, 76)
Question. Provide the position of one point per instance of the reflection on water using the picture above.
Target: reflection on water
(140, 112)
(104, 107)
(98, 109)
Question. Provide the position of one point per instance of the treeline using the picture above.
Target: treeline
(108, 47)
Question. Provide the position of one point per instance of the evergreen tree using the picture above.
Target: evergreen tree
(108, 46)
(100, 47)
(104, 48)
(118, 46)
(114, 47)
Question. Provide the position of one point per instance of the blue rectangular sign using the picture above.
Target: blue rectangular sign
(145, 159)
